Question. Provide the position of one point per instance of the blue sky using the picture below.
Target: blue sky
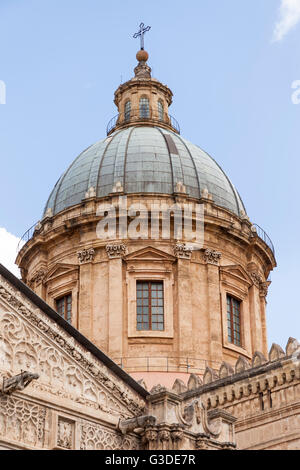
(230, 64)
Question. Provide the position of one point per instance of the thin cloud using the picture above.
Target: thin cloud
(8, 251)
(289, 17)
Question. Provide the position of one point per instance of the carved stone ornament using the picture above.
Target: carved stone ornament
(65, 434)
(86, 256)
(150, 435)
(116, 250)
(18, 382)
(128, 425)
(38, 277)
(263, 289)
(212, 256)
(182, 251)
(256, 278)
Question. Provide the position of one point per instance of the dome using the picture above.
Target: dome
(143, 159)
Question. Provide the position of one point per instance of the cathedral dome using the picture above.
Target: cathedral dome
(143, 159)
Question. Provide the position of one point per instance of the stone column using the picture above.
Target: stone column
(115, 300)
(184, 304)
(212, 258)
(85, 306)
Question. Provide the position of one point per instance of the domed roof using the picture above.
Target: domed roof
(143, 159)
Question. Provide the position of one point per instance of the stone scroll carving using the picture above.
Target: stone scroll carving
(212, 256)
(86, 256)
(116, 250)
(18, 382)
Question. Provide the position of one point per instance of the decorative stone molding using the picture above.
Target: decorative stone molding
(258, 359)
(86, 256)
(212, 256)
(194, 382)
(276, 352)
(241, 365)
(292, 347)
(157, 389)
(182, 251)
(179, 386)
(209, 376)
(116, 250)
(65, 433)
(225, 370)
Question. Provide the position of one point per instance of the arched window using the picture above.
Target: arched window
(127, 110)
(144, 108)
(160, 108)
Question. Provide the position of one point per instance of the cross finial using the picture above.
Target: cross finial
(143, 29)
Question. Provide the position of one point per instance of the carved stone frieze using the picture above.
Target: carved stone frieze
(212, 257)
(86, 256)
(116, 250)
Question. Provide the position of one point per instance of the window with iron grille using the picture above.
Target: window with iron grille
(144, 108)
(234, 320)
(64, 307)
(127, 110)
(160, 108)
(150, 305)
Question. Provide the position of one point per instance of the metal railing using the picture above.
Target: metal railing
(165, 364)
(265, 237)
(137, 116)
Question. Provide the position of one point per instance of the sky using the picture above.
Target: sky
(234, 69)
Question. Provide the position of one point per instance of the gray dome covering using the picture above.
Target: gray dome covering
(144, 160)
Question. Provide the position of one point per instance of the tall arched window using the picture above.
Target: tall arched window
(127, 110)
(144, 108)
(160, 108)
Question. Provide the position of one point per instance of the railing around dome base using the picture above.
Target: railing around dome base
(135, 117)
(165, 364)
(265, 237)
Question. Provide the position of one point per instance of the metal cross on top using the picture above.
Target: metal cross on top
(141, 33)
